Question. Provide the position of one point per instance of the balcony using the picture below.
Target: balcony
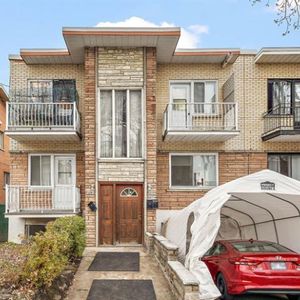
(27, 200)
(49, 114)
(215, 122)
(282, 124)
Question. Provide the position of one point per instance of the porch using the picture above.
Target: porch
(23, 200)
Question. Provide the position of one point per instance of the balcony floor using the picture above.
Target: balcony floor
(199, 136)
(282, 135)
(54, 135)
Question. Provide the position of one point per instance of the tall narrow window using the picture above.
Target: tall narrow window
(280, 96)
(121, 123)
(135, 133)
(1, 140)
(106, 130)
(40, 90)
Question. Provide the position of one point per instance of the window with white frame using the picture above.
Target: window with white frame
(121, 123)
(40, 170)
(193, 170)
(50, 170)
(200, 94)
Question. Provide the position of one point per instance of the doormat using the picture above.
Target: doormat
(122, 290)
(116, 261)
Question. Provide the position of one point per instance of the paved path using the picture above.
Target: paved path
(149, 269)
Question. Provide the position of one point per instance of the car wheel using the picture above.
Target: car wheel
(293, 297)
(222, 286)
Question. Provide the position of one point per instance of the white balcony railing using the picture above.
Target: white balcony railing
(201, 117)
(27, 199)
(42, 116)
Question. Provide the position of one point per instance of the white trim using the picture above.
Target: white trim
(191, 188)
(52, 168)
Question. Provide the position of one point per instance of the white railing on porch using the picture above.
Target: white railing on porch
(26, 199)
(220, 116)
(31, 115)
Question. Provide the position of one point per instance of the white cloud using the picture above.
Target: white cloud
(190, 36)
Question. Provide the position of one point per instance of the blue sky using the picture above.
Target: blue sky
(207, 23)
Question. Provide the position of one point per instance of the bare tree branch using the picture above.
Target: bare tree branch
(288, 12)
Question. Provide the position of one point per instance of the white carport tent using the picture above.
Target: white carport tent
(272, 215)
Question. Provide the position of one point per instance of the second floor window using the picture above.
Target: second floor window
(47, 91)
(121, 123)
(196, 96)
(283, 96)
(1, 140)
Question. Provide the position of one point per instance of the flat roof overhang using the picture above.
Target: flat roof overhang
(164, 39)
(289, 55)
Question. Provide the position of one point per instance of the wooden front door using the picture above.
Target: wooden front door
(120, 213)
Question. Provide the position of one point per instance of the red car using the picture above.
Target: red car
(253, 267)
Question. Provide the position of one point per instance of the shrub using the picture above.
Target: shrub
(50, 251)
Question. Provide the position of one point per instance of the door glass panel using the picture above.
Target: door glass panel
(120, 124)
(297, 104)
(64, 171)
(40, 90)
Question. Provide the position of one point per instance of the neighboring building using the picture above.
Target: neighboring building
(4, 146)
(4, 164)
(123, 119)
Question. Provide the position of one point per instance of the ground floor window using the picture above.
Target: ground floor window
(193, 170)
(286, 164)
(48, 170)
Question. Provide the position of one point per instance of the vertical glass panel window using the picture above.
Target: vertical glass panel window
(205, 97)
(106, 134)
(285, 164)
(64, 90)
(121, 123)
(40, 167)
(6, 179)
(135, 133)
(193, 170)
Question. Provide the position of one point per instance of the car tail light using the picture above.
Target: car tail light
(244, 262)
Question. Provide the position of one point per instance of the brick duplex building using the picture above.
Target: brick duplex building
(121, 126)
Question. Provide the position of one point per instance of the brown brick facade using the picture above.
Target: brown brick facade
(231, 166)
(151, 131)
(89, 136)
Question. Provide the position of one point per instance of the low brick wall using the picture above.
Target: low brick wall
(183, 283)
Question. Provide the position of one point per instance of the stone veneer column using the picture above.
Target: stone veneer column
(89, 125)
(151, 129)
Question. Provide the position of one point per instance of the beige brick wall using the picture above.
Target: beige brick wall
(121, 171)
(20, 73)
(250, 92)
(119, 67)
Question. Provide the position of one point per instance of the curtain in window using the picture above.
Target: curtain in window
(64, 171)
(205, 170)
(120, 124)
(106, 123)
(135, 134)
(40, 91)
(281, 97)
(41, 170)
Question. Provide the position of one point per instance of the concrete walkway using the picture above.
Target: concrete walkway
(149, 269)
